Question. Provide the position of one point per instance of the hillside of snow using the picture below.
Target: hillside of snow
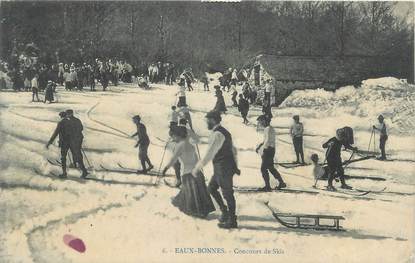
(393, 98)
(124, 217)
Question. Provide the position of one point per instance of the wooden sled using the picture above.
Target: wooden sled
(315, 224)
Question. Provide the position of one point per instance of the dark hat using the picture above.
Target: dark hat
(215, 115)
(314, 157)
(296, 117)
(179, 131)
(62, 114)
(216, 87)
(137, 117)
(380, 117)
(69, 111)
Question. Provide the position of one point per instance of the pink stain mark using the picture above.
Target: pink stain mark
(74, 243)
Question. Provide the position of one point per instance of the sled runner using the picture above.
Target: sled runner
(304, 221)
(292, 165)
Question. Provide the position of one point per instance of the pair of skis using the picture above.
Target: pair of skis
(352, 192)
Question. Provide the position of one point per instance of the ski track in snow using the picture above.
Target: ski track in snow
(114, 196)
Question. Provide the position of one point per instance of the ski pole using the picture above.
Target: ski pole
(161, 163)
(86, 157)
(370, 141)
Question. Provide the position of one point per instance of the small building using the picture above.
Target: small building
(290, 73)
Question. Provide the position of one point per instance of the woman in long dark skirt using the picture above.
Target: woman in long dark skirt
(49, 92)
(220, 101)
(193, 198)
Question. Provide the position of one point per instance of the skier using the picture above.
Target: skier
(296, 131)
(142, 144)
(35, 88)
(234, 94)
(62, 131)
(222, 153)
(267, 151)
(75, 127)
(243, 107)
(334, 161)
(383, 136)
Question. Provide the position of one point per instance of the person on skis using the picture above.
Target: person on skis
(267, 152)
(383, 136)
(142, 144)
(334, 160)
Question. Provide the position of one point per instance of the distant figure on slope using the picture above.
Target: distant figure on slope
(49, 92)
(184, 113)
(205, 82)
(383, 136)
(296, 131)
(142, 144)
(193, 198)
(334, 160)
(267, 152)
(35, 88)
(234, 93)
(63, 142)
(173, 117)
(220, 101)
(243, 107)
(181, 94)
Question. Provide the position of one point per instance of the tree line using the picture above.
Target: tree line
(206, 35)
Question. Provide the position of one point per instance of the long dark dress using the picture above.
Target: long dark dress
(220, 102)
(194, 198)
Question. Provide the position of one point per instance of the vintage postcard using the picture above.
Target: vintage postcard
(207, 131)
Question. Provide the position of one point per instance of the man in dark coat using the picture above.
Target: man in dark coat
(243, 107)
(75, 128)
(61, 131)
(142, 144)
(334, 160)
(222, 153)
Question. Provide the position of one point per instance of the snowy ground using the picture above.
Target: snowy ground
(123, 218)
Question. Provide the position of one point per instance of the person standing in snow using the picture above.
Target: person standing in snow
(193, 198)
(220, 101)
(243, 107)
(267, 152)
(173, 117)
(181, 94)
(75, 128)
(205, 82)
(383, 136)
(35, 88)
(267, 97)
(64, 139)
(142, 144)
(296, 131)
(334, 160)
(222, 153)
(49, 92)
(234, 94)
(184, 113)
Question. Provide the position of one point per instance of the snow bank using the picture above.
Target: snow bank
(389, 96)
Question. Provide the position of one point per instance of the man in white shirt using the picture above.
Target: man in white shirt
(267, 151)
(296, 131)
(268, 88)
(383, 136)
(222, 153)
(35, 88)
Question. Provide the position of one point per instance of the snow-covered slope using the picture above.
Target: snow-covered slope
(123, 218)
